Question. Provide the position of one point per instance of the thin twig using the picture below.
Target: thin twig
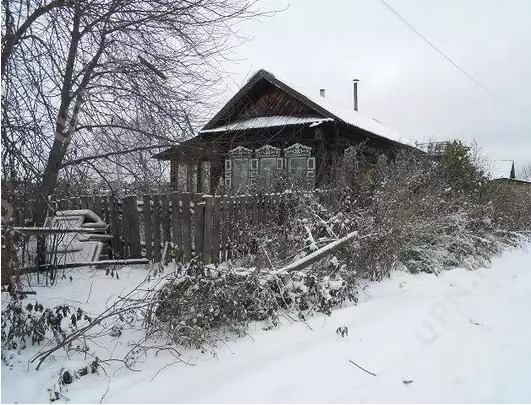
(361, 368)
(90, 291)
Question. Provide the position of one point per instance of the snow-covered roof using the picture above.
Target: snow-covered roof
(500, 169)
(322, 106)
(266, 122)
(354, 118)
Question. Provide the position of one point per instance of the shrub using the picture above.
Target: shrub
(32, 323)
(202, 305)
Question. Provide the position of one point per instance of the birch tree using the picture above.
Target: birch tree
(84, 77)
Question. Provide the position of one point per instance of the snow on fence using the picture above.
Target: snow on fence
(184, 224)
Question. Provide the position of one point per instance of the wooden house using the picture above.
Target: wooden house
(503, 173)
(269, 133)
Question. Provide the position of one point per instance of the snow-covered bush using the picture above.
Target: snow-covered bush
(429, 216)
(202, 305)
(511, 202)
(28, 323)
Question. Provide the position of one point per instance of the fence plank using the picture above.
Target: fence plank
(148, 224)
(224, 225)
(165, 219)
(116, 230)
(216, 221)
(133, 227)
(156, 229)
(232, 224)
(207, 229)
(187, 227)
(98, 207)
(199, 215)
(87, 203)
(254, 203)
(125, 228)
(177, 223)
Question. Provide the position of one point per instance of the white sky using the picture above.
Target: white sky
(403, 82)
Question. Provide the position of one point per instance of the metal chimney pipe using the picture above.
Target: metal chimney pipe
(322, 92)
(355, 94)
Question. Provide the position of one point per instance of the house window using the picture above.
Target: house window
(301, 167)
(268, 159)
(238, 169)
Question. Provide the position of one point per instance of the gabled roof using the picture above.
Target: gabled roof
(320, 105)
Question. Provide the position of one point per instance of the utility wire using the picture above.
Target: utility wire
(447, 58)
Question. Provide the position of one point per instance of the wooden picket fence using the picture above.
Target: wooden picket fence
(185, 225)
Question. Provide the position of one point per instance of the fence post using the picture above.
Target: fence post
(207, 230)
(165, 218)
(216, 216)
(146, 211)
(177, 223)
(187, 227)
(156, 228)
(133, 227)
(199, 214)
(231, 222)
(116, 230)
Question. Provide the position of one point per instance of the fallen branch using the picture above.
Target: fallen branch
(319, 254)
(361, 368)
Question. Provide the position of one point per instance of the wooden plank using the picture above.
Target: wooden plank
(223, 214)
(216, 221)
(264, 209)
(207, 229)
(165, 219)
(148, 233)
(115, 228)
(125, 228)
(177, 230)
(87, 202)
(319, 253)
(231, 225)
(97, 207)
(254, 206)
(187, 227)
(133, 227)
(199, 216)
(156, 229)
(105, 209)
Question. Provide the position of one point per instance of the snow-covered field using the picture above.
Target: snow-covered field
(464, 336)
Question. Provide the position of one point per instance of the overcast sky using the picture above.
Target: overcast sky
(403, 82)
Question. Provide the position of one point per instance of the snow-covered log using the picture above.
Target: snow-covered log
(317, 255)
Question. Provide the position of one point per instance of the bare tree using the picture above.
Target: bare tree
(83, 78)
(525, 172)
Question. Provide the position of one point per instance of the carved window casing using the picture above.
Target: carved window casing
(300, 166)
(267, 169)
(238, 169)
(269, 165)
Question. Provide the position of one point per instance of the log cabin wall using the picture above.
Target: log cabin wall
(327, 140)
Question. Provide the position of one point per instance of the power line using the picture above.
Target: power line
(446, 57)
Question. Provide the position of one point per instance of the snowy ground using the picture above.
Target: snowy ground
(461, 337)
